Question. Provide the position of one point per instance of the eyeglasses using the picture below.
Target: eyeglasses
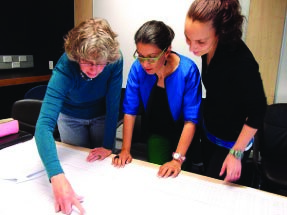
(148, 59)
(94, 65)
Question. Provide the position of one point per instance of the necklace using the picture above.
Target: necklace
(85, 77)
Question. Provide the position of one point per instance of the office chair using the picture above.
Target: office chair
(37, 92)
(270, 149)
(27, 111)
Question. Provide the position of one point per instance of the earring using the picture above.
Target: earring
(165, 62)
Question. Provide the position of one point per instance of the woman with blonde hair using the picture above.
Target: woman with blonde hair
(83, 97)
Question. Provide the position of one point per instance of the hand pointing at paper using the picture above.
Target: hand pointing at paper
(82, 99)
(64, 195)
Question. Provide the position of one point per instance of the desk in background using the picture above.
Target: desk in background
(133, 190)
(13, 77)
(14, 84)
(24, 80)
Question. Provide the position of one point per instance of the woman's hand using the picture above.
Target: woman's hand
(232, 167)
(99, 153)
(170, 169)
(64, 195)
(122, 159)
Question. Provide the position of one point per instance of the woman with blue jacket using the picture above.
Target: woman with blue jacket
(169, 87)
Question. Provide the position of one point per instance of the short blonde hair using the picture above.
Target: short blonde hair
(93, 39)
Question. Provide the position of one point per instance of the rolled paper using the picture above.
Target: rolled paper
(10, 127)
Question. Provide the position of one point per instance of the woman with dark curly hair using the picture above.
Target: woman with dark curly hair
(235, 101)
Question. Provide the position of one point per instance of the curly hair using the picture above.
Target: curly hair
(225, 15)
(156, 33)
(93, 39)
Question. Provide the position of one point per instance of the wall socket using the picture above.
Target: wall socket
(51, 64)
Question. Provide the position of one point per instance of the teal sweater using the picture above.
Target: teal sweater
(70, 94)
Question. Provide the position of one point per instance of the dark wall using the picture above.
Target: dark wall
(31, 27)
(36, 28)
(10, 94)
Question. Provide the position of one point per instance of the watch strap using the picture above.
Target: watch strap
(238, 154)
(178, 156)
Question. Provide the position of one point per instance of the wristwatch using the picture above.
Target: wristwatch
(178, 156)
(238, 154)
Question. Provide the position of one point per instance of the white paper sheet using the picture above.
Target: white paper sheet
(134, 190)
(21, 162)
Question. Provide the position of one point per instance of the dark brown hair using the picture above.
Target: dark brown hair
(225, 15)
(156, 33)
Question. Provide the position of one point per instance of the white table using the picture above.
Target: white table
(133, 190)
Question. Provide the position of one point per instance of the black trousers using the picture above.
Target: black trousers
(213, 158)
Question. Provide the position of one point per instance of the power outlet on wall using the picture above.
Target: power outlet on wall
(51, 65)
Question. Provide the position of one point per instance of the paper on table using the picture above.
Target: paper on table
(135, 189)
(21, 162)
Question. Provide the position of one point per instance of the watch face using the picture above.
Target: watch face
(176, 155)
(238, 154)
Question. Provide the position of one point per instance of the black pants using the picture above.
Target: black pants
(213, 158)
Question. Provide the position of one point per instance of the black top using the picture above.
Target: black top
(159, 117)
(234, 91)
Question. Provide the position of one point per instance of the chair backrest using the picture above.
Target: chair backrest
(273, 146)
(26, 111)
(37, 92)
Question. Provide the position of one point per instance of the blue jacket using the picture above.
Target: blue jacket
(69, 93)
(183, 88)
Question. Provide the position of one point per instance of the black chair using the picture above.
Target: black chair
(27, 111)
(270, 150)
(37, 92)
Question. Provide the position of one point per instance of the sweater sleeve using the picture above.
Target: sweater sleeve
(48, 116)
(192, 96)
(256, 102)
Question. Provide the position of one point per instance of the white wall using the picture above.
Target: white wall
(281, 86)
(126, 16)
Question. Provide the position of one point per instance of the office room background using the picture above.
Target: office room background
(126, 16)
(35, 28)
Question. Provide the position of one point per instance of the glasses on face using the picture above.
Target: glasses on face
(148, 59)
(100, 65)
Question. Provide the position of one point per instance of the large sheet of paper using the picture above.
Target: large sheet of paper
(132, 190)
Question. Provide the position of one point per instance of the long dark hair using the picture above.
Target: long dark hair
(225, 15)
